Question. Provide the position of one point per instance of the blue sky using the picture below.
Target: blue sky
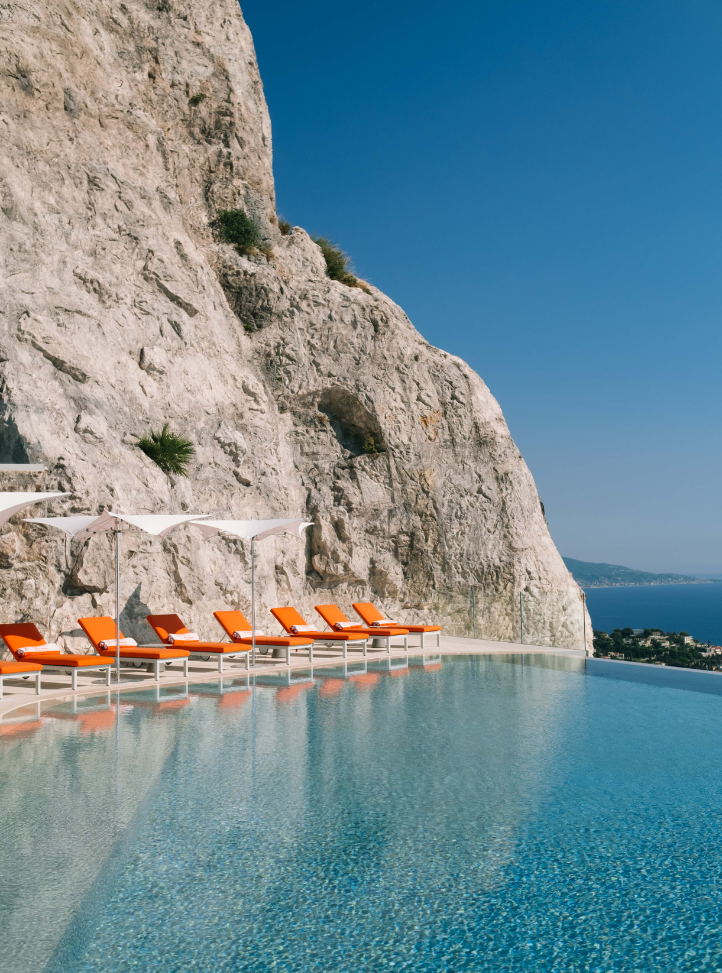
(539, 186)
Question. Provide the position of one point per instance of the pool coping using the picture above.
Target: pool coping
(208, 672)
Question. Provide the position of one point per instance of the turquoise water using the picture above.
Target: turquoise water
(693, 608)
(488, 815)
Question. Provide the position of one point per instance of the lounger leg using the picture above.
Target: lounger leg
(406, 643)
(248, 661)
(310, 653)
(37, 684)
(75, 679)
(345, 650)
(366, 647)
(185, 667)
(438, 640)
(388, 644)
(288, 656)
(220, 663)
(2, 681)
(422, 641)
(108, 674)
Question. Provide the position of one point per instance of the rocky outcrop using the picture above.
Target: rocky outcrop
(125, 128)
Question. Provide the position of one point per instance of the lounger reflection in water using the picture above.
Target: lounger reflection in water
(373, 618)
(101, 632)
(295, 625)
(27, 645)
(237, 628)
(171, 630)
(336, 620)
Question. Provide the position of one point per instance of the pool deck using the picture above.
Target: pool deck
(18, 694)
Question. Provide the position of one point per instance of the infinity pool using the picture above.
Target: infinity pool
(484, 814)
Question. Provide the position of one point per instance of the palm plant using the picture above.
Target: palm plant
(168, 450)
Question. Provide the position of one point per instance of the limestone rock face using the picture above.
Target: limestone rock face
(124, 128)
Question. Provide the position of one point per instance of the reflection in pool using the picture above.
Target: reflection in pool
(480, 814)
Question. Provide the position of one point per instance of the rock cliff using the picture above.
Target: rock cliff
(125, 128)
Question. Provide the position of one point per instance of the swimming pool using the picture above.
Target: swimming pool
(489, 814)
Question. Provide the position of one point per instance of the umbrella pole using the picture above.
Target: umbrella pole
(117, 602)
(253, 598)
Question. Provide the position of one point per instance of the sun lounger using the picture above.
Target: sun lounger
(237, 628)
(337, 621)
(101, 632)
(295, 625)
(371, 616)
(20, 670)
(170, 629)
(27, 645)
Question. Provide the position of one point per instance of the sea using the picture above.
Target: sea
(692, 608)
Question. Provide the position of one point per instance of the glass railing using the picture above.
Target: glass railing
(531, 617)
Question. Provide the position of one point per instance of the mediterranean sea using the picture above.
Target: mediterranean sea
(693, 608)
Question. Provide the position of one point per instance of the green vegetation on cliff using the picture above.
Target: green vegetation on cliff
(657, 647)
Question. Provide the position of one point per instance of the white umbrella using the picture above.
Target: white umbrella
(253, 529)
(13, 503)
(84, 526)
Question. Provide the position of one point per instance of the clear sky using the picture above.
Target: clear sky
(539, 186)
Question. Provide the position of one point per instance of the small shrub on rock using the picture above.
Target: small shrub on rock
(371, 446)
(337, 262)
(197, 99)
(236, 227)
(168, 450)
(284, 226)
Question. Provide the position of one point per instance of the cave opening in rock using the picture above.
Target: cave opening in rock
(354, 426)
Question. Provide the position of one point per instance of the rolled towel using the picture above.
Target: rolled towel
(382, 622)
(29, 649)
(245, 635)
(111, 643)
(302, 628)
(184, 637)
(340, 626)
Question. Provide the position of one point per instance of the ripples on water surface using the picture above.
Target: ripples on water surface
(483, 816)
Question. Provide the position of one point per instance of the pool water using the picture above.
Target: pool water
(488, 814)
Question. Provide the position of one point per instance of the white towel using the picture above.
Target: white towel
(110, 643)
(29, 649)
(340, 626)
(245, 635)
(383, 622)
(184, 637)
(302, 628)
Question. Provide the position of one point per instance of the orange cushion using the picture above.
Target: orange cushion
(367, 612)
(68, 661)
(219, 648)
(139, 653)
(371, 614)
(287, 617)
(165, 625)
(232, 621)
(21, 635)
(98, 629)
(331, 614)
(10, 668)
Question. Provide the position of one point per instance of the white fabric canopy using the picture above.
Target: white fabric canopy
(13, 503)
(256, 530)
(84, 526)
(156, 524)
(252, 528)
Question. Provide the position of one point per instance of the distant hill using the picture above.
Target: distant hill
(587, 574)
